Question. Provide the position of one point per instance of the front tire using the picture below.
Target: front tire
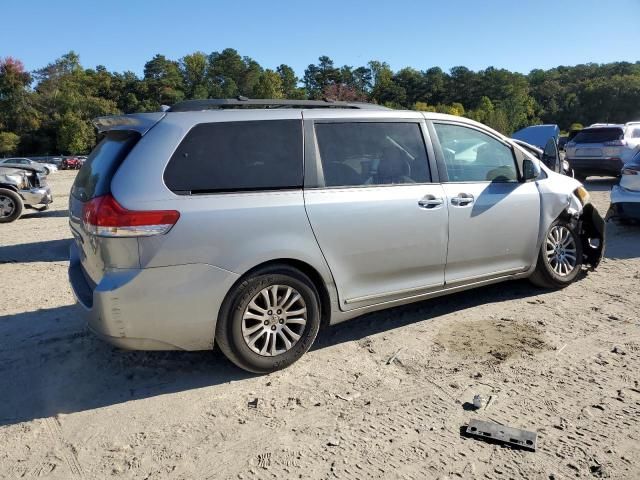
(11, 205)
(560, 256)
(269, 320)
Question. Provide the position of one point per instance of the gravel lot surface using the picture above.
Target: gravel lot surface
(565, 364)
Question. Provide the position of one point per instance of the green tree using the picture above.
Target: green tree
(8, 143)
(74, 135)
(385, 90)
(164, 80)
(17, 112)
(269, 85)
(288, 80)
(193, 68)
(317, 77)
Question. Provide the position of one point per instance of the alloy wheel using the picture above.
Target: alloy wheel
(7, 207)
(274, 320)
(561, 250)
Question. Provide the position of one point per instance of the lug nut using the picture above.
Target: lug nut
(281, 321)
(270, 312)
(279, 312)
(266, 322)
(273, 327)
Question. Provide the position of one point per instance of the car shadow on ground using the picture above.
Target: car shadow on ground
(31, 214)
(387, 320)
(47, 251)
(51, 364)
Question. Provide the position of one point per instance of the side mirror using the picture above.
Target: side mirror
(528, 165)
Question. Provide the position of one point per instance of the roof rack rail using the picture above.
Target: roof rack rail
(244, 102)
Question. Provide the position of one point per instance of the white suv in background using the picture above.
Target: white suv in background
(603, 148)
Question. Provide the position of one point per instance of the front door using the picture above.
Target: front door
(380, 222)
(493, 217)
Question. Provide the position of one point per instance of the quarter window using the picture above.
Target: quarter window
(473, 156)
(372, 153)
(237, 156)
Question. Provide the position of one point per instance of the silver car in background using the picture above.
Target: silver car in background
(251, 223)
(47, 168)
(602, 149)
(625, 197)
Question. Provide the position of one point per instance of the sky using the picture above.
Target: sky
(519, 35)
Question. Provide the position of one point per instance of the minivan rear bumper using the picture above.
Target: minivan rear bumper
(161, 308)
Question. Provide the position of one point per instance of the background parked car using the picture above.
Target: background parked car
(19, 161)
(564, 139)
(70, 163)
(625, 197)
(20, 188)
(602, 149)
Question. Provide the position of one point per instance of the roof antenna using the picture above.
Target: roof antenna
(242, 98)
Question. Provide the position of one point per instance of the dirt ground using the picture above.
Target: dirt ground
(565, 364)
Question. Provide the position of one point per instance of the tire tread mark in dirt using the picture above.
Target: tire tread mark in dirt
(67, 450)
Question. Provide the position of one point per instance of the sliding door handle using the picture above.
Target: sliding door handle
(462, 200)
(430, 202)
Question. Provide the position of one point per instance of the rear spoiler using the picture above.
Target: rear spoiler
(136, 122)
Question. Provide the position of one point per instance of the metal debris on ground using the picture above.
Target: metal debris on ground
(394, 356)
(503, 434)
(253, 403)
(478, 401)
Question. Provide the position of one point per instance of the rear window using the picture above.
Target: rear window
(238, 156)
(94, 178)
(599, 135)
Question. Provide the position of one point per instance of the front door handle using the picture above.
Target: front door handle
(462, 200)
(430, 202)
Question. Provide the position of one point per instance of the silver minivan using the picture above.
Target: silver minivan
(252, 223)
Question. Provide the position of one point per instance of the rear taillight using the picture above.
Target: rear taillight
(631, 171)
(615, 143)
(105, 217)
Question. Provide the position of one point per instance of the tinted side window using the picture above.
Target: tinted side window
(235, 156)
(472, 156)
(370, 153)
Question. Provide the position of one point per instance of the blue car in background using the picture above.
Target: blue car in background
(538, 135)
(542, 141)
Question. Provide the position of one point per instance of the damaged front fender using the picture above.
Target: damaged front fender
(563, 196)
(592, 233)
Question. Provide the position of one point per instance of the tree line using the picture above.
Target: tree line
(50, 110)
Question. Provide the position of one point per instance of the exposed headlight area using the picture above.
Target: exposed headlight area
(582, 195)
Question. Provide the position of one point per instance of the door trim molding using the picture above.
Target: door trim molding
(499, 273)
(405, 291)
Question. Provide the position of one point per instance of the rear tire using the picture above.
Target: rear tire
(11, 205)
(269, 320)
(559, 258)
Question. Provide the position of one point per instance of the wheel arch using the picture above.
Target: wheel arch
(10, 187)
(314, 275)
